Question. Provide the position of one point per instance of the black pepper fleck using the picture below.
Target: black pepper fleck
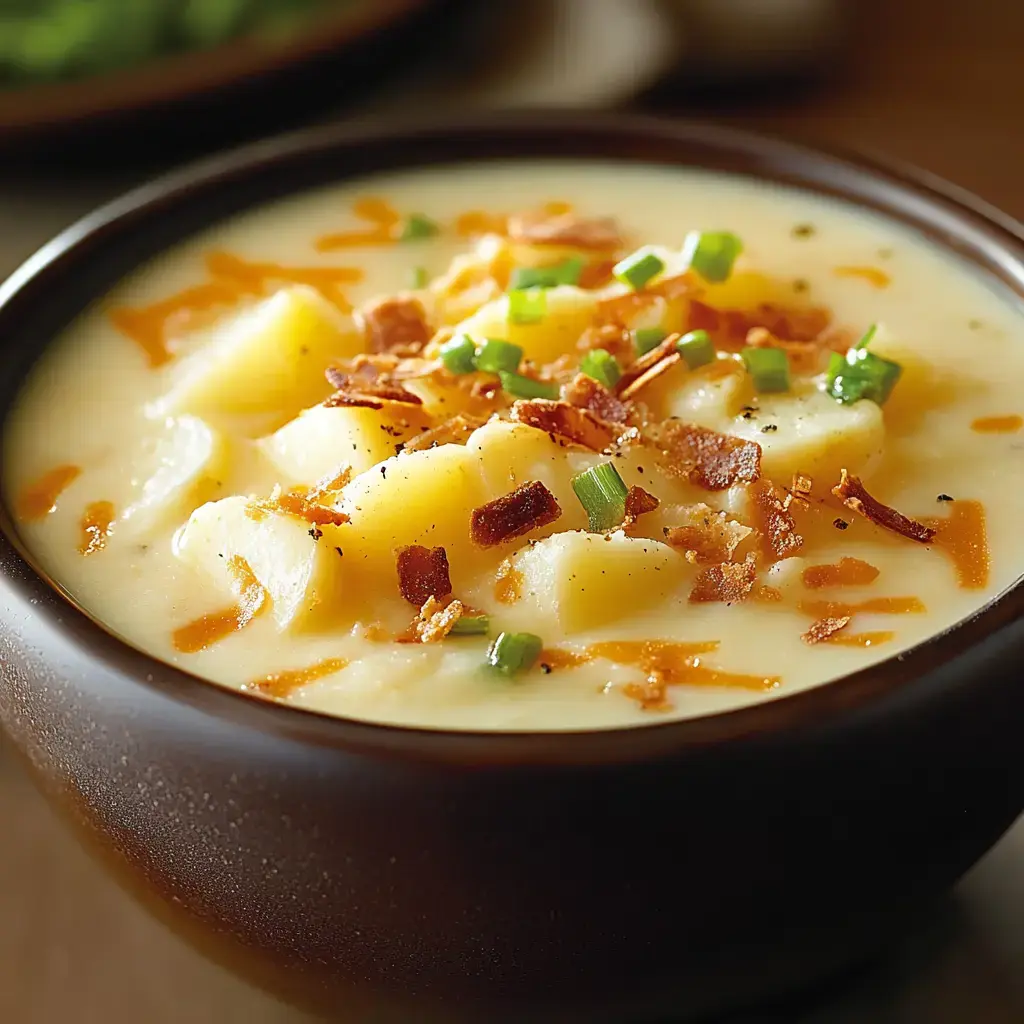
(545, 668)
(840, 524)
(945, 497)
(341, 554)
(803, 231)
(769, 428)
(316, 533)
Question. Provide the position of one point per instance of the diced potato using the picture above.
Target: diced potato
(786, 576)
(303, 576)
(813, 434)
(270, 358)
(581, 581)
(421, 497)
(469, 283)
(568, 312)
(321, 441)
(707, 396)
(747, 289)
(185, 465)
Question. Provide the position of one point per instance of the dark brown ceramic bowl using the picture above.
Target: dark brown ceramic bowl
(402, 875)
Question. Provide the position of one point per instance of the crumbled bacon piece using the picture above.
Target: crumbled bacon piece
(854, 496)
(706, 536)
(706, 458)
(662, 366)
(596, 274)
(648, 360)
(824, 628)
(804, 356)
(433, 622)
(726, 582)
(586, 393)
(422, 573)
(453, 431)
(540, 228)
(371, 390)
(306, 507)
(512, 515)
(774, 520)
(638, 502)
(331, 484)
(613, 338)
(566, 421)
(801, 486)
(396, 325)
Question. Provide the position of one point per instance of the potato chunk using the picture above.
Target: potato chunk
(581, 581)
(321, 441)
(303, 576)
(185, 464)
(270, 358)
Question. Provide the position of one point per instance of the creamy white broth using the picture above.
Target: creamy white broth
(87, 401)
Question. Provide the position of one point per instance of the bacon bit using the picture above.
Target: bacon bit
(707, 536)
(651, 695)
(376, 633)
(849, 572)
(566, 421)
(728, 582)
(730, 327)
(422, 573)
(508, 583)
(329, 486)
(804, 356)
(964, 538)
(869, 639)
(877, 605)
(558, 657)
(706, 458)
(566, 229)
(397, 325)
(854, 496)
(823, 629)
(97, 526)
(801, 487)
(775, 521)
(765, 594)
(596, 274)
(875, 277)
(209, 629)
(651, 375)
(525, 509)
(378, 212)
(638, 502)
(359, 390)
(306, 507)
(453, 431)
(998, 424)
(586, 393)
(280, 685)
(613, 338)
(647, 361)
(433, 623)
(39, 499)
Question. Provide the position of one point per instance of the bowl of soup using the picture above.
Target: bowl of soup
(553, 567)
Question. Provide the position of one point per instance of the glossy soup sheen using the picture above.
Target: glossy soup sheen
(665, 630)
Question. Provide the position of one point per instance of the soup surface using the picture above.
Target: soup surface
(540, 445)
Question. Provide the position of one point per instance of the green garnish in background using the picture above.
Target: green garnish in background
(49, 40)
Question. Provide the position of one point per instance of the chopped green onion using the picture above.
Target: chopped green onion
(638, 268)
(514, 652)
(602, 493)
(526, 387)
(769, 367)
(696, 348)
(646, 338)
(861, 374)
(495, 355)
(527, 305)
(600, 364)
(459, 354)
(418, 226)
(472, 625)
(566, 272)
(712, 253)
(869, 336)
(419, 277)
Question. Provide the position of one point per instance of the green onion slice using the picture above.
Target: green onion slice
(646, 338)
(472, 625)
(638, 268)
(495, 355)
(418, 277)
(418, 226)
(712, 253)
(600, 364)
(514, 652)
(696, 348)
(861, 374)
(459, 354)
(769, 367)
(526, 387)
(602, 493)
(566, 272)
(527, 305)
(869, 336)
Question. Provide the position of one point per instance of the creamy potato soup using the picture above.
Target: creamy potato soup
(540, 445)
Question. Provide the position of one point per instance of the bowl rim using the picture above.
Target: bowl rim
(960, 222)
